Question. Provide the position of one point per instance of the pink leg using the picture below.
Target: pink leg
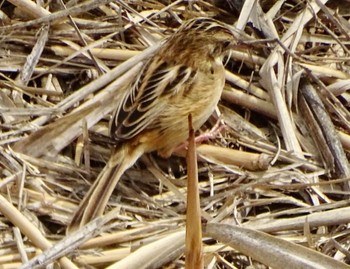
(211, 134)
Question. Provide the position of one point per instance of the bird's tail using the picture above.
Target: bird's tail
(97, 197)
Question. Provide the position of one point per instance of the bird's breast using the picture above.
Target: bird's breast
(198, 99)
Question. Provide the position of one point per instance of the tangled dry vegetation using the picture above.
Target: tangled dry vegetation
(279, 168)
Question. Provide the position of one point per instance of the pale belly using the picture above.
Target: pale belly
(200, 103)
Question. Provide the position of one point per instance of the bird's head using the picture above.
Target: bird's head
(202, 38)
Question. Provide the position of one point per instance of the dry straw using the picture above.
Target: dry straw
(275, 163)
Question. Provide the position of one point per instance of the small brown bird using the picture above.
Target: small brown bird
(185, 76)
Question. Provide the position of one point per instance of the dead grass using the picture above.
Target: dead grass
(280, 166)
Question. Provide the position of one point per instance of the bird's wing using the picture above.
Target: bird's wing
(148, 96)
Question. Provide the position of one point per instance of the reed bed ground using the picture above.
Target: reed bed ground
(276, 171)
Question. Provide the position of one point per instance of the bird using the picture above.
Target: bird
(186, 75)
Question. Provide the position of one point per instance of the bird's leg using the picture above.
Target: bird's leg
(211, 134)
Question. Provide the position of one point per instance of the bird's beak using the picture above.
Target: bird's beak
(242, 45)
(239, 45)
(238, 35)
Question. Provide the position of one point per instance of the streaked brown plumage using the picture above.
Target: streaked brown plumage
(185, 76)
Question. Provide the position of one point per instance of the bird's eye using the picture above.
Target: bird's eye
(226, 44)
